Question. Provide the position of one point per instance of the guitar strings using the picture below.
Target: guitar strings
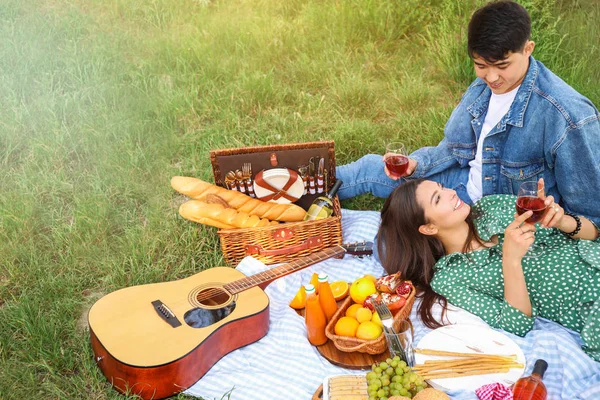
(271, 273)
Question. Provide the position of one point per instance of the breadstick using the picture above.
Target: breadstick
(198, 190)
(460, 374)
(431, 352)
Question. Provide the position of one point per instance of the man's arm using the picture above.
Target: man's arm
(577, 169)
(433, 160)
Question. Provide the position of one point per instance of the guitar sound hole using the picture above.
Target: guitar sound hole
(201, 317)
(211, 297)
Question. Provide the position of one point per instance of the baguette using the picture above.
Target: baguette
(219, 216)
(199, 190)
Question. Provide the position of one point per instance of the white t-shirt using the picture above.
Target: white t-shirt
(498, 107)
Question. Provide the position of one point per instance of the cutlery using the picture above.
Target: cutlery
(247, 176)
(320, 171)
(325, 182)
(240, 180)
(311, 176)
(391, 335)
(230, 180)
(303, 171)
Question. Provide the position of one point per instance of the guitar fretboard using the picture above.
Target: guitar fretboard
(277, 272)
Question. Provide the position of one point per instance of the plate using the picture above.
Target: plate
(456, 338)
(278, 177)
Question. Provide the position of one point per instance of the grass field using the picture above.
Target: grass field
(103, 101)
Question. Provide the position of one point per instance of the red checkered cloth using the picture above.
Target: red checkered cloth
(494, 391)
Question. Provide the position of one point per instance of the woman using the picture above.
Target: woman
(475, 259)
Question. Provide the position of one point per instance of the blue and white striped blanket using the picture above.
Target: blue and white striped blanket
(283, 365)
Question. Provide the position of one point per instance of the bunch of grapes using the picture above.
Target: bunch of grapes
(393, 377)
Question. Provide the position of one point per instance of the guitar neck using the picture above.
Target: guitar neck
(282, 270)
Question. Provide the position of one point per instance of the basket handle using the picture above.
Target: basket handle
(253, 249)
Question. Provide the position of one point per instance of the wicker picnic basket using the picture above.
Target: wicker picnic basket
(287, 241)
(376, 346)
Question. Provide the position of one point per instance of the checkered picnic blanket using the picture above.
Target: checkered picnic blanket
(283, 365)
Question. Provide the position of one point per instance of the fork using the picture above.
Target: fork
(387, 320)
(247, 176)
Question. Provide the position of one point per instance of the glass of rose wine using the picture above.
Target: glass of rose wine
(396, 159)
(531, 198)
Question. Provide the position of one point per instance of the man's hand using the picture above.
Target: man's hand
(412, 165)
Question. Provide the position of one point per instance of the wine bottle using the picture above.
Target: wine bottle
(531, 387)
(322, 207)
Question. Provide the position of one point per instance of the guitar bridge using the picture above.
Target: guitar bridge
(165, 313)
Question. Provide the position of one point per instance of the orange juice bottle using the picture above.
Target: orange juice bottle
(315, 318)
(328, 303)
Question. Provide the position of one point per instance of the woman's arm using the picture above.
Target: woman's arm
(498, 313)
(518, 236)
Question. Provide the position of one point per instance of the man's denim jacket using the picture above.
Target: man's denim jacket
(550, 131)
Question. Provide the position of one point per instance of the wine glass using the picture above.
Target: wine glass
(531, 198)
(396, 159)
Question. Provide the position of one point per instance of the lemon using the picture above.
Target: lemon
(368, 331)
(351, 311)
(376, 319)
(363, 314)
(361, 289)
(370, 277)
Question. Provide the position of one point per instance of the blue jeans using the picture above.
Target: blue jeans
(366, 175)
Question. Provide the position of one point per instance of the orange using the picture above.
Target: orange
(351, 311)
(363, 314)
(346, 326)
(339, 290)
(361, 289)
(299, 301)
(314, 280)
(368, 331)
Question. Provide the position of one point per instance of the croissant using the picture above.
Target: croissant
(198, 190)
(219, 216)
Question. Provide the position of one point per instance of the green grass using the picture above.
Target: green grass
(101, 102)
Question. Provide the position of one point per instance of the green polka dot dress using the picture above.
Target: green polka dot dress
(563, 282)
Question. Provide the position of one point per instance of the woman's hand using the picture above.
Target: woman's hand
(518, 236)
(554, 213)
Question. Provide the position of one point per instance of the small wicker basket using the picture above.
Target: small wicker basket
(376, 346)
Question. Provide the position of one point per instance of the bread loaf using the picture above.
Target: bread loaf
(219, 216)
(198, 190)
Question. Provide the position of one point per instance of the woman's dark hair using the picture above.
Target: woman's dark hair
(402, 248)
(498, 28)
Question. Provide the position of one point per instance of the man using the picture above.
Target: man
(516, 122)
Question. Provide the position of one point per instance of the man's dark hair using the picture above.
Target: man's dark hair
(498, 28)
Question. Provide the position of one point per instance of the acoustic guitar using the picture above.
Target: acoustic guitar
(157, 340)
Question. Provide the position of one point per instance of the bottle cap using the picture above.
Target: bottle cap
(540, 367)
(310, 289)
(334, 189)
(323, 277)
